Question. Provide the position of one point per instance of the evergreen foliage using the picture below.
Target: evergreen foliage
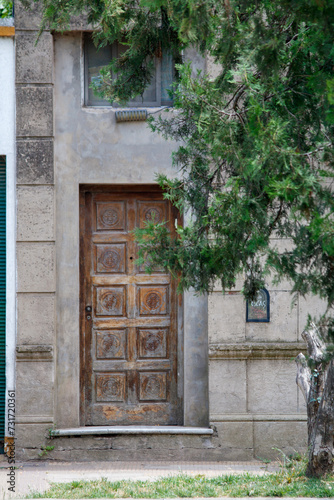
(6, 8)
(255, 156)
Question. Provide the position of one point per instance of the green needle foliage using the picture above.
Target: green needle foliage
(255, 144)
(251, 145)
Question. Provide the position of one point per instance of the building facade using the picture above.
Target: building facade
(111, 363)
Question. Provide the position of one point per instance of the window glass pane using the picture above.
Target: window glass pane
(167, 77)
(150, 93)
(95, 61)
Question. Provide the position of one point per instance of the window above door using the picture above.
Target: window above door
(155, 94)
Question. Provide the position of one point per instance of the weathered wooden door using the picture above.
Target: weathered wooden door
(128, 318)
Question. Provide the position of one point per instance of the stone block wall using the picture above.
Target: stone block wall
(252, 370)
(35, 229)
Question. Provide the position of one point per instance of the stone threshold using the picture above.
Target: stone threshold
(131, 429)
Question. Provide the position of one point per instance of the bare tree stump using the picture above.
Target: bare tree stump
(316, 381)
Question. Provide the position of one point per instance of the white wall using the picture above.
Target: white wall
(7, 148)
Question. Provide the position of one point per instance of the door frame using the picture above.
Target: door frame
(84, 218)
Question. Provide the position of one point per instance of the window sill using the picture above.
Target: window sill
(149, 109)
(131, 429)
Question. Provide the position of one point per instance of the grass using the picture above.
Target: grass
(290, 481)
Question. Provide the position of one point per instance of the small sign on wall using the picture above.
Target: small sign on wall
(258, 310)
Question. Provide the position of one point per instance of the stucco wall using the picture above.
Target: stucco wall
(91, 148)
(248, 392)
(252, 374)
(254, 402)
(7, 148)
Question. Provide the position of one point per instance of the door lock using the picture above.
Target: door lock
(89, 309)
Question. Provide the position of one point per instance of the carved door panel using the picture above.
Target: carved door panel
(128, 318)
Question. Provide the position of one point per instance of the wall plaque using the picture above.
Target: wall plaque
(258, 310)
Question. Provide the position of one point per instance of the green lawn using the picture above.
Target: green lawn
(291, 481)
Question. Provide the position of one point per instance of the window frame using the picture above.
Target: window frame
(131, 104)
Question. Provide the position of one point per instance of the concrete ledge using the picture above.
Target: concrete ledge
(133, 429)
(251, 417)
(257, 350)
(34, 419)
(29, 352)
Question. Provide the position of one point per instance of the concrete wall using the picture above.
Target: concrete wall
(91, 148)
(252, 369)
(35, 228)
(254, 401)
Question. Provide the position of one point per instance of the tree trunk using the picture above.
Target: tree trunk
(316, 381)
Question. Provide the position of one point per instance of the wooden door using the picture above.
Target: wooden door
(128, 318)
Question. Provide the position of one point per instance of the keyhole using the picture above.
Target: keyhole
(131, 258)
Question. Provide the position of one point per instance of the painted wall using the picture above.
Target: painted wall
(7, 148)
(91, 148)
(253, 396)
